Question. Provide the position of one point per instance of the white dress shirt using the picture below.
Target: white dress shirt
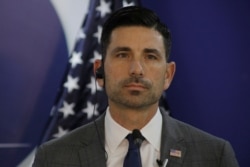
(117, 146)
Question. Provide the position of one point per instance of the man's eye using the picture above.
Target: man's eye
(122, 55)
(151, 57)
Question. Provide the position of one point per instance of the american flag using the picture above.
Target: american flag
(175, 153)
(80, 99)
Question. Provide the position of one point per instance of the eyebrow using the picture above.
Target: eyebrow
(125, 48)
(149, 50)
(118, 49)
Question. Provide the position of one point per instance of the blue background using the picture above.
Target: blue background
(211, 89)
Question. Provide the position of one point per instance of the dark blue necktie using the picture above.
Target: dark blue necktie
(133, 157)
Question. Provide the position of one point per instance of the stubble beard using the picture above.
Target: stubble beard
(133, 99)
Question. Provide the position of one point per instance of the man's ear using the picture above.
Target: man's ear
(170, 71)
(99, 72)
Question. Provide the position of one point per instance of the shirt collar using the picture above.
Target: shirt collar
(152, 131)
(115, 133)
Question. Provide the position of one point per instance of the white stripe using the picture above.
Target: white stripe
(71, 15)
(28, 160)
(14, 145)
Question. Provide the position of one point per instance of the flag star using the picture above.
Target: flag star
(67, 109)
(76, 59)
(90, 110)
(104, 8)
(93, 86)
(81, 34)
(125, 3)
(98, 33)
(60, 132)
(71, 83)
(97, 55)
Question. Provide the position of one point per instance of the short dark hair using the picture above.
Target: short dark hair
(134, 16)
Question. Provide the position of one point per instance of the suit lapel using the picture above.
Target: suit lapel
(93, 153)
(173, 145)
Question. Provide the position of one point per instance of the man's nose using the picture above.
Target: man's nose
(136, 68)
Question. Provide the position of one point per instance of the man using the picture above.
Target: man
(135, 71)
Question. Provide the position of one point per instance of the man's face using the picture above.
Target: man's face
(136, 72)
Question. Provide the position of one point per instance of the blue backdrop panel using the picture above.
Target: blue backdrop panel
(211, 89)
(33, 56)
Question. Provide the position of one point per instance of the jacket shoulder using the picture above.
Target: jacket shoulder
(201, 147)
(66, 149)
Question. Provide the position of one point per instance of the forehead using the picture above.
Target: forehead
(136, 37)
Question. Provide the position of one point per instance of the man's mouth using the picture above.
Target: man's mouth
(135, 86)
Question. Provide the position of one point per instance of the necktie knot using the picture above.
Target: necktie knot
(135, 139)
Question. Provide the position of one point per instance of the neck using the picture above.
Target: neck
(132, 118)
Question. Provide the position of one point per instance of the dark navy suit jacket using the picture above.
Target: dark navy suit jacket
(190, 147)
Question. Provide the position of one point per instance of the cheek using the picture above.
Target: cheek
(114, 71)
(112, 77)
(156, 78)
(160, 79)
